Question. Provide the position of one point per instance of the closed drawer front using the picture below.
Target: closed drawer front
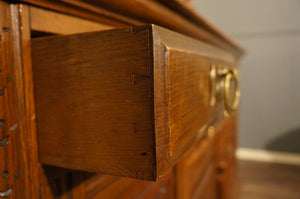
(126, 102)
(196, 170)
(226, 147)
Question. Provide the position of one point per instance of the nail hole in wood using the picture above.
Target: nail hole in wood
(17, 176)
(9, 79)
(2, 91)
(6, 29)
(2, 123)
(5, 174)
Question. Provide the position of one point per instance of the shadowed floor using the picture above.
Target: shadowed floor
(268, 180)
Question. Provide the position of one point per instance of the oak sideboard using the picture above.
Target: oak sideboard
(111, 99)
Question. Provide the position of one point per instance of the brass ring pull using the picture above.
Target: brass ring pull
(231, 107)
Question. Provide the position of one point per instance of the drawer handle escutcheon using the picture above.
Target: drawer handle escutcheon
(231, 107)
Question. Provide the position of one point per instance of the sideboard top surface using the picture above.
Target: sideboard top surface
(169, 14)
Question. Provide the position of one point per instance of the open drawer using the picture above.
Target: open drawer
(125, 102)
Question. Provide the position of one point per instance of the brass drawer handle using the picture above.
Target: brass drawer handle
(231, 107)
(220, 84)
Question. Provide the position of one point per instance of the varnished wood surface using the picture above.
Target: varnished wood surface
(36, 181)
(126, 188)
(46, 21)
(183, 100)
(21, 60)
(196, 171)
(11, 166)
(7, 115)
(95, 110)
(84, 10)
(94, 98)
(144, 12)
(225, 148)
(268, 180)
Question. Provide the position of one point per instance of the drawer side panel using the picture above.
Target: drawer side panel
(93, 94)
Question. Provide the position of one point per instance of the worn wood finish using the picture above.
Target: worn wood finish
(182, 96)
(207, 170)
(57, 23)
(21, 62)
(192, 169)
(126, 188)
(102, 126)
(21, 22)
(154, 12)
(225, 148)
(7, 111)
(105, 121)
(11, 165)
(84, 10)
(33, 182)
(196, 171)
(136, 12)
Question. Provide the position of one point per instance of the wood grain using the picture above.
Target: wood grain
(21, 62)
(193, 167)
(4, 153)
(168, 129)
(137, 12)
(97, 95)
(56, 23)
(181, 92)
(126, 188)
(10, 166)
(225, 148)
(262, 180)
(154, 12)
(99, 107)
(85, 11)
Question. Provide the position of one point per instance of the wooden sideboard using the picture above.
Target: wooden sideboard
(116, 99)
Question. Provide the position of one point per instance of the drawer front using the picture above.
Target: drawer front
(196, 171)
(226, 162)
(126, 102)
